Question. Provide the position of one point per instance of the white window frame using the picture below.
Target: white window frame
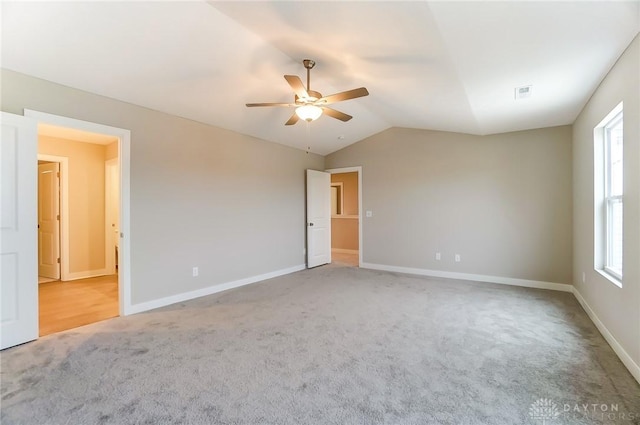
(609, 199)
(604, 201)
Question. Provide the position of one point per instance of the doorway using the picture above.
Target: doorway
(78, 209)
(346, 223)
(123, 138)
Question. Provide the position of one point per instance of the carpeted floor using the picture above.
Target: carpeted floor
(332, 345)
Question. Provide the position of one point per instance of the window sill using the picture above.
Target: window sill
(610, 278)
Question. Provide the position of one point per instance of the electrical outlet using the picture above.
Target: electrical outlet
(369, 213)
(438, 256)
(195, 272)
(457, 258)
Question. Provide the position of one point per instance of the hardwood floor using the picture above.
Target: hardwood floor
(67, 305)
(350, 259)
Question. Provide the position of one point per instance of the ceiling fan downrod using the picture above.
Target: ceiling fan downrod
(308, 63)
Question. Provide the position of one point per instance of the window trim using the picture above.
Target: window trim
(603, 200)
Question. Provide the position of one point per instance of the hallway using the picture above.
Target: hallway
(68, 305)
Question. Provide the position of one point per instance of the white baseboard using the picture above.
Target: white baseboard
(150, 305)
(344, 251)
(475, 277)
(86, 274)
(617, 348)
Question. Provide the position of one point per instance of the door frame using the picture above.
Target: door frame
(109, 260)
(124, 155)
(356, 169)
(64, 210)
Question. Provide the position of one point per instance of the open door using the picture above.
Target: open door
(18, 223)
(318, 218)
(49, 220)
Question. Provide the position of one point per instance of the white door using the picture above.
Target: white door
(18, 224)
(49, 220)
(318, 218)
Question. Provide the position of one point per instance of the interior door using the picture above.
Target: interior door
(318, 218)
(18, 227)
(49, 220)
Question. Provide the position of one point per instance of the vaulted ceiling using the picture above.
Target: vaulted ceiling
(449, 66)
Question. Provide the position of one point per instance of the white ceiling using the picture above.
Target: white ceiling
(449, 66)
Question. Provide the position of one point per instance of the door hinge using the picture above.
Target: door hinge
(58, 174)
(58, 217)
(58, 260)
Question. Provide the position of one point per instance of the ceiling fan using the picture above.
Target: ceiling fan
(311, 104)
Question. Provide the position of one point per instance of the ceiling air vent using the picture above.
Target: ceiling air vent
(523, 92)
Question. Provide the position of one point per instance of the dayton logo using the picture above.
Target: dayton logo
(544, 410)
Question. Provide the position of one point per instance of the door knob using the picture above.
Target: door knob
(310, 224)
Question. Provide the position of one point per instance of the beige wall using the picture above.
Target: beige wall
(617, 308)
(344, 231)
(503, 202)
(350, 186)
(201, 196)
(111, 151)
(86, 201)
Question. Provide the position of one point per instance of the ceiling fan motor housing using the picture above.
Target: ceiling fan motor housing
(313, 96)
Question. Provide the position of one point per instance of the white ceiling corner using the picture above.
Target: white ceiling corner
(448, 66)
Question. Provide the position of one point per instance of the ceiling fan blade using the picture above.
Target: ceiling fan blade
(269, 104)
(294, 119)
(296, 84)
(336, 114)
(345, 95)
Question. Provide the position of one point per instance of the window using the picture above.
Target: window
(609, 195)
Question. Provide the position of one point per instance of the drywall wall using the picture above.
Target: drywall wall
(86, 202)
(111, 151)
(617, 308)
(344, 230)
(350, 186)
(201, 196)
(503, 202)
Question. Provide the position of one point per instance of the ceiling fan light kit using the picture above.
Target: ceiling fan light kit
(310, 104)
(308, 112)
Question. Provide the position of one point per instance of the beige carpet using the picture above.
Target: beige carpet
(332, 345)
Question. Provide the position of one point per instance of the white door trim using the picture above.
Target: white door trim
(356, 169)
(109, 261)
(124, 152)
(64, 211)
